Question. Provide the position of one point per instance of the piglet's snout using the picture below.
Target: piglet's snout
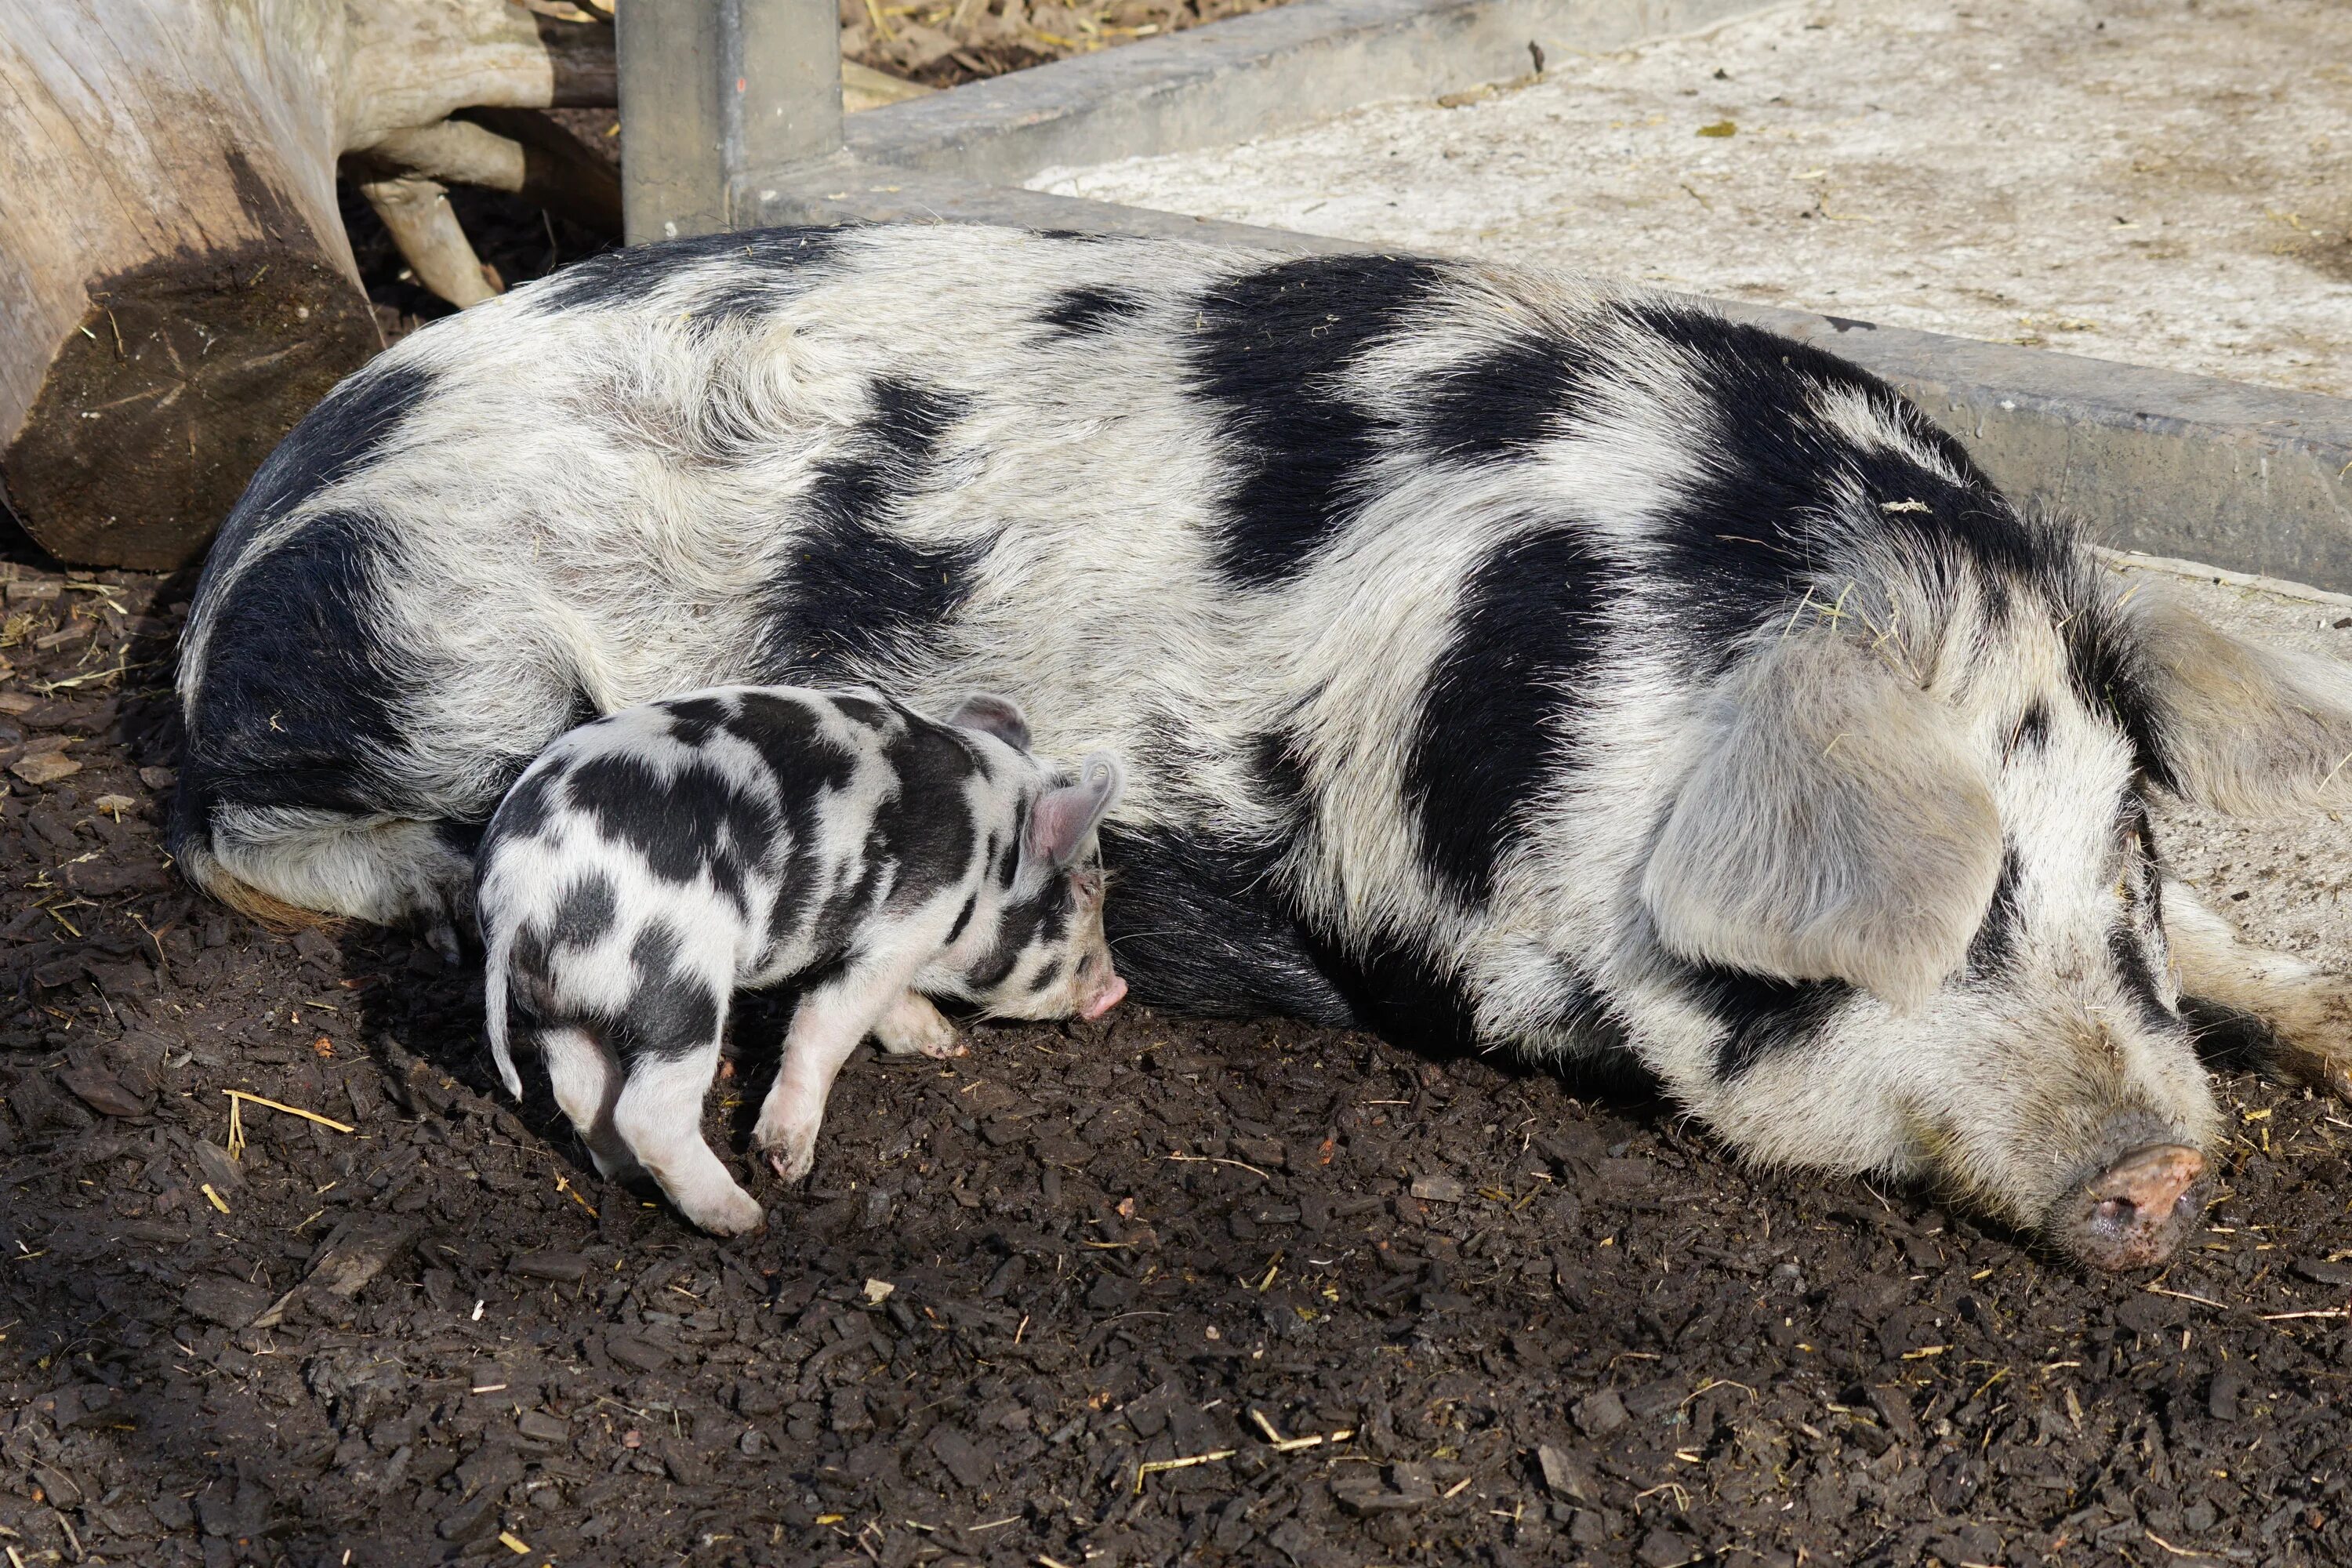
(1105, 996)
(2135, 1211)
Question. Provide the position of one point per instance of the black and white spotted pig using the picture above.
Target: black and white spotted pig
(1493, 655)
(650, 863)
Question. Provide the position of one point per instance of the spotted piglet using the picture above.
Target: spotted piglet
(650, 863)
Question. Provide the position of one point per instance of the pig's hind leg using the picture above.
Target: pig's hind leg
(914, 1027)
(670, 1039)
(586, 1082)
(2283, 1015)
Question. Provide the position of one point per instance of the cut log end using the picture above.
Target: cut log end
(123, 460)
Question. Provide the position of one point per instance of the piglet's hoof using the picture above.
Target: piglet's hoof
(733, 1214)
(944, 1046)
(2135, 1211)
(790, 1154)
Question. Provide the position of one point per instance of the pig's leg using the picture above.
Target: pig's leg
(831, 1021)
(2304, 1013)
(658, 1114)
(586, 1083)
(913, 1026)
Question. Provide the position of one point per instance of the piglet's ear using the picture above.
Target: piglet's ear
(2240, 728)
(1062, 820)
(997, 716)
(1836, 828)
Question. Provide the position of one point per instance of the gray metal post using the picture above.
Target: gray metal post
(714, 94)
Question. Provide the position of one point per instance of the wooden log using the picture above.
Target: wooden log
(176, 286)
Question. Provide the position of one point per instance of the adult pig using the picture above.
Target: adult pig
(1492, 653)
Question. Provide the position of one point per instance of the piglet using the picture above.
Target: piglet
(650, 863)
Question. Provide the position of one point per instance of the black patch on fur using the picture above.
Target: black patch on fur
(463, 838)
(928, 823)
(296, 696)
(1397, 992)
(2128, 950)
(2114, 678)
(584, 912)
(1039, 922)
(963, 919)
(2032, 731)
(1762, 1016)
(2228, 1038)
(529, 806)
(1281, 774)
(1499, 700)
(1995, 943)
(772, 262)
(1509, 403)
(1197, 926)
(335, 440)
(692, 822)
(2142, 919)
(1266, 352)
(1004, 859)
(807, 766)
(834, 924)
(672, 1012)
(858, 592)
(1049, 977)
(1087, 310)
(1764, 510)
(694, 719)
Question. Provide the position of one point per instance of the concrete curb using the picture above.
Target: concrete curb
(2245, 478)
(1270, 71)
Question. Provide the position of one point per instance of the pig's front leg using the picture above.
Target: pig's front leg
(831, 1021)
(914, 1027)
(2304, 1013)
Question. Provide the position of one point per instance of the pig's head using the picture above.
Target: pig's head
(1048, 958)
(1939, 854)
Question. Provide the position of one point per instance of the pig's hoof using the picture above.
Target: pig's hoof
(733, 1213)
(927, 1035)
(790, 1154)
(2135, 1211)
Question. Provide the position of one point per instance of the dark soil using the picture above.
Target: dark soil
(1529, 1326)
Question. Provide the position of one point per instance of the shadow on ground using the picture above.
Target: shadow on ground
(1137, 1293)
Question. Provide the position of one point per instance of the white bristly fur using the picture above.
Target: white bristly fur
(590, 501)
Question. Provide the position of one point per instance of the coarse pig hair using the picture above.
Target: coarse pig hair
(1497, 656)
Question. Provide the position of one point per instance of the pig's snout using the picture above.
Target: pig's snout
(1106, 996)
(2135, 1211)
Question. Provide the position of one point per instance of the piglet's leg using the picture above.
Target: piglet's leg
(2295, 1019)
(585, 1081)
(659, 1115)
(832, 1019)
(913, 1026)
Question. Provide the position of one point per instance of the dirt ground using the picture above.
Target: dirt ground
(940, 43)
(1366, 1306)
(2164, 182)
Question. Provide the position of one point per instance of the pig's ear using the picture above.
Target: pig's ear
(1062, 819)
(1836, 826)
(2239, 728)
(996, 715)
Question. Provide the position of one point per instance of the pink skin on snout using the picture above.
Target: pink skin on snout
(1111, 993)
(2135, 1211)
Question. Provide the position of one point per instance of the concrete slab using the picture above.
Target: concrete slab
(2160, 183)
(1269, 72)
